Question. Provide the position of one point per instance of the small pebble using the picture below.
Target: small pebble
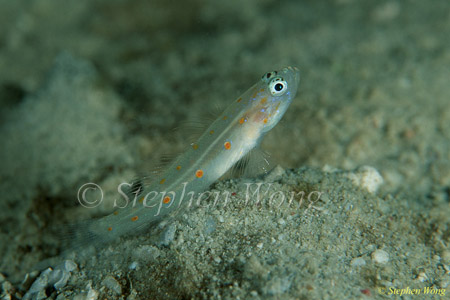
(133, 265)
(59, 278)
(422, 277)
(145, 253)
(112, 284)
(380, 256)
(358, 262)
(39, 285)
(210, 226)
(168, 235)
(445, 255)
(366, 177)
(68, 265)
(92, 294)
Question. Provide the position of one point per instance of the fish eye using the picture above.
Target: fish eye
(277, 86)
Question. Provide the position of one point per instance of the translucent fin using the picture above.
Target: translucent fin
(192, 130)
(216, 111)
(196, 126)
(254, 164)
(136, 187)
(144, 179)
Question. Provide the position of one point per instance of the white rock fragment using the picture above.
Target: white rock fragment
(422, 277)
(445, 256)
(167, 235)
(57, 278)
(145, 254)
(90, 295)
(358, 262)
(380, 256)
(366, 177)
(112, 284)
(38, 286)
(133, 265)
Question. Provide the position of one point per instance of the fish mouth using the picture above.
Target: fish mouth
(295, 73)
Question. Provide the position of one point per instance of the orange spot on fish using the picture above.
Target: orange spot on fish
(265, 120)
(242, 120)
(199, 173)
(194, 146)
(254, 95)
(225, 117)
(227, 145)
(109, 228)
(135, 218)
(116, 213)
(178, 168)
(211, 132)
(263, 100)
(166, 199)
(239, 100)
(261, 90)
(162, 181)
(141, 200)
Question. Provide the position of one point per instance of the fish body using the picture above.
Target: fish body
(229, 138)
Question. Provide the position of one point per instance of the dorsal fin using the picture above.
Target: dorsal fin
(193, 129)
